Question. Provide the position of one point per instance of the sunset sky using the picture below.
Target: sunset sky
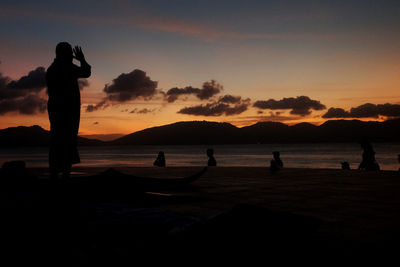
(158, 62)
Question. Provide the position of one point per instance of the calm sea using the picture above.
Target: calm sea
(319, 155)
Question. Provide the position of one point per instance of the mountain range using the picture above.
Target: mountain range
(34, 136)
(205, 132)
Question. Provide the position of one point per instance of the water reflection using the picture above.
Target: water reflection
(293, 155)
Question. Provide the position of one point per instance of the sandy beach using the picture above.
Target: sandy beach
(351, 213)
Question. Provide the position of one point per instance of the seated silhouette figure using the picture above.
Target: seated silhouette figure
(64, 105)
(276, 162)
(368, 162)
(211, 159)
(160, 160)
(345, 165)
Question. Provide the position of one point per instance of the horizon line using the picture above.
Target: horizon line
(218, 122)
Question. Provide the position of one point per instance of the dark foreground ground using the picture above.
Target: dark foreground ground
(229, 215)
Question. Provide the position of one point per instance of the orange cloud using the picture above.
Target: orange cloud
(208, 33)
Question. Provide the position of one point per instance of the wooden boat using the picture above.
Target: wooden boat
(112, 185)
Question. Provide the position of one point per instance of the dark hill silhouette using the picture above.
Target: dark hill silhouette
(183, 133)
(265, 132)
(209, 133)
(355, 130)
(33, 136)
(303, 131)
(204, 132)
(305, 126)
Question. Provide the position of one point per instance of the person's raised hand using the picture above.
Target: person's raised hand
(78, 54)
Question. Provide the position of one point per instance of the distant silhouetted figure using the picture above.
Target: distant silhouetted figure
(276, 163)
(160, 160)
(368, 158)
(64, 107)
(211, 159)
(345, 165)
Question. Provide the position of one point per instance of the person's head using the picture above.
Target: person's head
(345, 165)
(64, 52)
(276, 154)
(398, 157)
(210, 152)
(161, 154)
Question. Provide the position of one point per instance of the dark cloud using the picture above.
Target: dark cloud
(220, 107)
(173, 93)
(208, 90)
(22, 95)
(91, 108)
(142, 111)
(300, 105)
(34, 82)
(103, 104)
(213, 109)
(230, 99)
(28, 105)
(96, 122)
(336, 113)
(365, 111)
(389, 110)
(125, 87)
(3, 82)
(131, 86)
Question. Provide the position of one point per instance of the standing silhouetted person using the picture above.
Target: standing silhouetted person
(276, 162)
(160, 160)
(368, 158)
(211, 159)
(64, 107)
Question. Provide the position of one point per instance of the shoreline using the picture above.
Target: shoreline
(174, 170)
(293, 156)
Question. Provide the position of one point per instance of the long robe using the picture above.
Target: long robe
(64, 107)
